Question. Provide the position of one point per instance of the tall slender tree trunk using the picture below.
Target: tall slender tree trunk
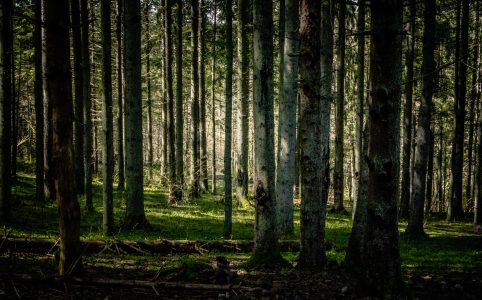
(360, 102)
(429, 193)
(417, 198)
(285, 172)
(39, 107)
(107, 121)
(202, 97)
(87, 106)
(242, 142)
(228, 123)
(164, 141)
(6, 98)
(148, 48)
(266, 250)
(59, 91)
(120, 95)
(195, 161)
(135, 216)
(338, 174)
(79, 97)
(383, 272)
(312, 253)
(478, 177)
(407, 115)
(177, 195)
(213, 101)
(455, 203)
(326, 62)
(170, 95)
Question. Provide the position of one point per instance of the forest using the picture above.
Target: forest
(246, 149)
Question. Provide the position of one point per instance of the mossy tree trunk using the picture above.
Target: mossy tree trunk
(170, 95)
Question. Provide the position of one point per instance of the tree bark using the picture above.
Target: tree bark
(478, 177)
(312, 253)
(382, 244)
(135, 216)
(39, 107)
(120, 95)
(265, 234)
(79, 97)
(176, 193)
(88, 152)
(242, 139)
(455, 203)
(407, 114)
(417, 199)
(430, 180)
(360, 102)
(107, 121)
(195, 161)
(148, 48)
(6, 98)
(285, 172)
(202, 98)
(59, 91)
(213, 101)
(228, 123)
(170, 96)
(338, 174)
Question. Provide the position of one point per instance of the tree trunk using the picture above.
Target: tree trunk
(195, 161)
(242, 139)
(228, 123)
(202, 96)
(455, 203)
(326, 62)
(135, 216)
(39, 107)
(382, 244)
(87, 106)
(107, 121)
(285, 172)
(429, 193)
(79, 97)
(6, 98)
(120, 95)
(170, 95)
(213, 101)
(478, 177)
(407, 114)
(265, 236)
(59, 90)
(417, 198)
(176, 193)
(360, 102)
(312, 253)
(338, 174)
(148, 49)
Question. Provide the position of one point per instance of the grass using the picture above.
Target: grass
(450, 246)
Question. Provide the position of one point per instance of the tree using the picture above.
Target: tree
(415, 222)
(242, 142)
(6, 98)
(266, 249)
(285, 171)
(312, 255)
(213, 100)
(39, 107)
(148, 49)
(170, 95)
(338, 176)
(407, 114)
(59, 90)
(202, 96)
(120, 95)
(177, 191)
(383, 273)
(228, 123)
(87, 105)
(107, 119)
(133, 123)
(455, 202)
(195, 162)
(79, 96)
(478, 177)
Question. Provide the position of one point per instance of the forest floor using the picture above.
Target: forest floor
(177, 257)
